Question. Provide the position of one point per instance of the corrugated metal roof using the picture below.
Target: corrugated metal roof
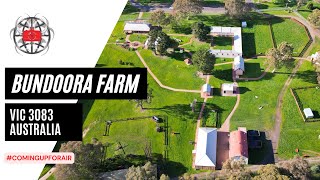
(238, 63)
(132, 26)
(206, 151)
(238, 144)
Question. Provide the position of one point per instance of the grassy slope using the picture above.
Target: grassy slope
(256, 37)
(295, 133)
(291, 32)
(267, 89)
(135, 133)
(172, 72)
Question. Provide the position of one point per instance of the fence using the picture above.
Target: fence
(299, 103)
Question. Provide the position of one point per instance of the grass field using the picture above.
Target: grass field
(134, 134)
(310, 98)
(254, 68)
(196, 44)
(224, 43)
(173, 72)
(267, 91)
(138, 37)
(295, 133)
(182, 39)
(284, 29)
(315, 46)
(223, 60)
(256, 37)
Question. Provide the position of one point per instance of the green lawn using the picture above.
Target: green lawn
(196, 44)
(222, 43)
(267, 91)
(256, 38)
(182, 39)
(138, 37)
(117, 33)
(315, 46)
(173, 72)
(46, 168)
(254, 68)
(310, 98)
(291, 32)
(134, 134)
(223, 60)
(295, 133)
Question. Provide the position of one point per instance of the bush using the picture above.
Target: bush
(315, 169)
(310, 5)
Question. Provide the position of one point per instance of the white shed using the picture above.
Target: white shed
(238, 65)
(244, 24)
(206, 89)
(308, 113)
(228, 89)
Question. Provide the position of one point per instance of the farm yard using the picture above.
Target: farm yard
(295, 133)
(259, 89)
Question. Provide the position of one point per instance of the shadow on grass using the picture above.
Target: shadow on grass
(264, 155)
(179, 56)
(307, 76)
(249, 41)
(243, 90)
(223, 74)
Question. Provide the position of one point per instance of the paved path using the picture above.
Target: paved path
(159, 82)
(48, 174)
(275, 132)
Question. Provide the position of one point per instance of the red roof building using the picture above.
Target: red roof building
(238, 145)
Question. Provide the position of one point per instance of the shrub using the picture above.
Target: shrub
(315, 169)
(310, 5)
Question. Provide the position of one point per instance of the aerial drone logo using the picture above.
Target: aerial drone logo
(32, 35)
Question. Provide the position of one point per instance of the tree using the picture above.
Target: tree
(159, 17)
(298, 168)
(186, 8)
(87, 161)
(235, 170)
(148, 171)
(281, 56)
(314, 17)
(270, 171)
(164, 177)
(148, 100)
(315, 169)
(159, 41)
(235, 8)
(200, 30)
(310, 5)
(204, 60)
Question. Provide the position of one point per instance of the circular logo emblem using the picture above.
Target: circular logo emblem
(32, 35)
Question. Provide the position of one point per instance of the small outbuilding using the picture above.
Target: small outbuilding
(136, 27)
(244, 24)
(308, 113)
(206, 90)
(238, 65)
(228, 89)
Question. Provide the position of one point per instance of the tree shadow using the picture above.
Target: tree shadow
(224, 74)
(179, 56)
(264, 155)
(214, 3)
(252, 70)
(316, 114)
(101, 65)
(307, 76)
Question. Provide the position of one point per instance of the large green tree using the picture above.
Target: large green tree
(159, 17)
(280, 56)
(200, 30)
(314, 17)
(87, 161)
(186, 8)
(159, 41)
(270, 171)
(204, 60)
(236, 8)
(148, 171)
